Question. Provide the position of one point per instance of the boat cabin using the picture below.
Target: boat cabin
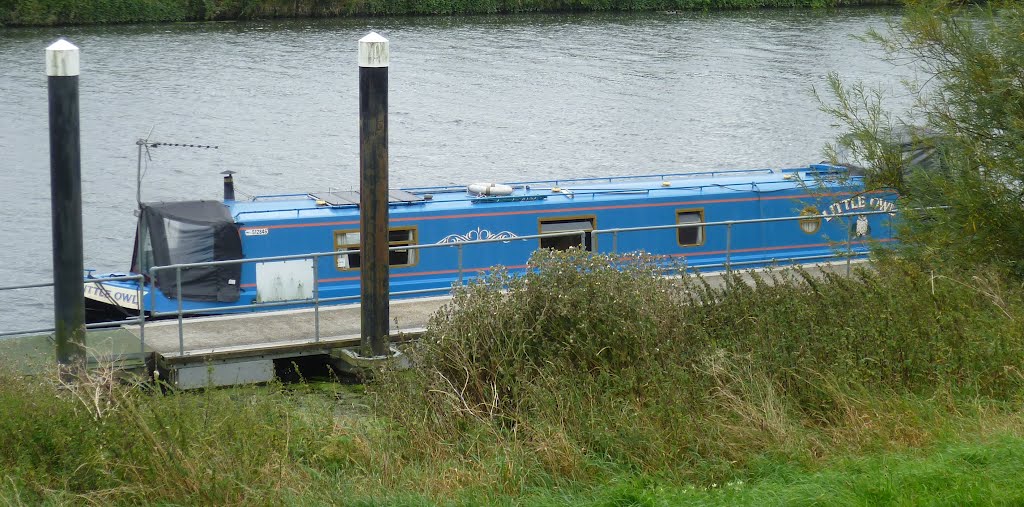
(469, 230)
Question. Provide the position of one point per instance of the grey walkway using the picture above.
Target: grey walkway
(250, 341)
(256, 332)
(339, 326)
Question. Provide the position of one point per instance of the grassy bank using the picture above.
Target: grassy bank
(301, 445)
(591, 381)
(69, 12)
(592, 364)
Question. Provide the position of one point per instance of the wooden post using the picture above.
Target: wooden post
(66, 206)
(373, 193)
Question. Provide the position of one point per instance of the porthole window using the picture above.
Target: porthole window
(812, 223)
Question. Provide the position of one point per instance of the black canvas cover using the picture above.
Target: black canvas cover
(189, 232)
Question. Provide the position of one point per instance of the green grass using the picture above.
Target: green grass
(954, 474)
(592, 380)
(318, 444)
(31, 354)
(594, 363)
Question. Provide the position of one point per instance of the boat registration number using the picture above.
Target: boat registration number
(260, 231)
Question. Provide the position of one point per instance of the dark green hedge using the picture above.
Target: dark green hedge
(66, 12)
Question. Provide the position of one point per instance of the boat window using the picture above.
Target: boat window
(693, 235)
(349, 240)
(402, 237)
(188, 242)
(552, 225)
(148, 257)
(187, 232)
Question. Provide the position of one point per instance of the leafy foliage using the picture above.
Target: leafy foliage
(600, 359)
(63, 12)
(969, 97)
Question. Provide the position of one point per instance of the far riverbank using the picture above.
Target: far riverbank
(90, 12)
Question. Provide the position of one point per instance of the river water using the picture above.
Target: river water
(489, 98)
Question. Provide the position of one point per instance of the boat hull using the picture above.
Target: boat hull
(102, 312)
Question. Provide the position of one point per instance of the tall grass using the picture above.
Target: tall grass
(232, 447)
(591, 379)
(593, 361)
(63, 12)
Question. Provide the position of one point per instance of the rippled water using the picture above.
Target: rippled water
(477, 98)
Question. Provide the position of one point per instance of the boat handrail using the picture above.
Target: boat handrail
(298, 211)
(605, 179)
(424, 246)
(279, 196)
(558, 187)
(316, 301)
(726, 264)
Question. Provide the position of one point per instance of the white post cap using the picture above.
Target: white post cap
(374, 51)
(62, 59)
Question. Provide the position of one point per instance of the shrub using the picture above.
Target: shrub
(591, 359)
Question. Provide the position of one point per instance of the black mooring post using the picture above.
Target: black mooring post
(66, 206)
(373, 193)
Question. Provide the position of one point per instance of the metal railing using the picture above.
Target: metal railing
(316, 302)
(611, 179)
(139, 319)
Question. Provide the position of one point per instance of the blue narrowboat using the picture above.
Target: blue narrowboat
(439, 235)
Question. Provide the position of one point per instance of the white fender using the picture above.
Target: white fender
(489, 189)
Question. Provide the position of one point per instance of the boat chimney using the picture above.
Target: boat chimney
(229, 186)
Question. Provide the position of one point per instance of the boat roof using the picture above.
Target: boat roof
(333, 203)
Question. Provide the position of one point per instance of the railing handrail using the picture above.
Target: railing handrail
(317, 301)
(605, 179)
(139, 319)
(813, 172)
(85, 280)
(276, 258)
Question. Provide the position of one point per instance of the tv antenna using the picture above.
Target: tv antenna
(147, 144)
